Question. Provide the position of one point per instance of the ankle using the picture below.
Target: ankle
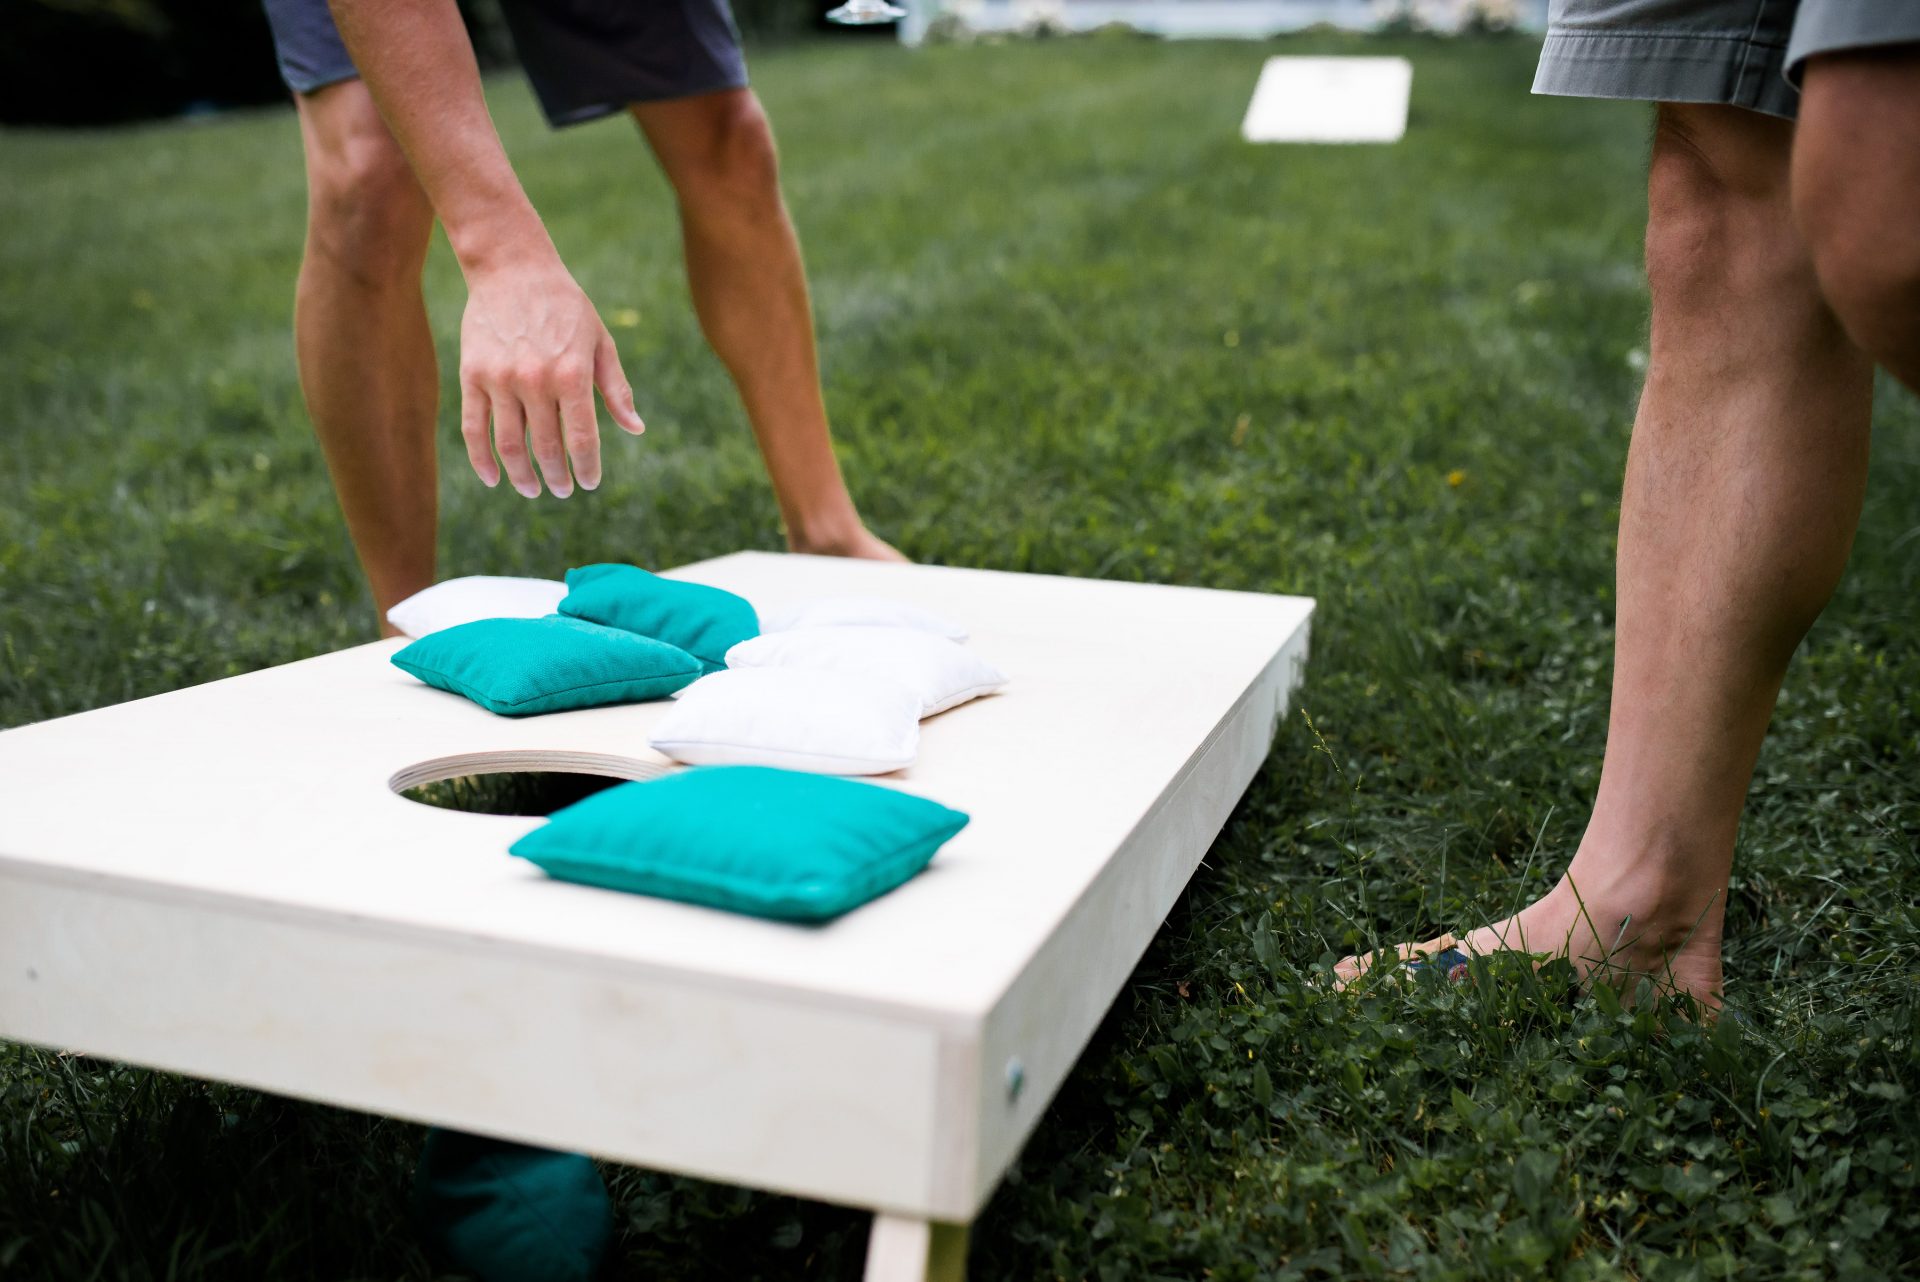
(1645, 902)
(1665, 863)
(830, 534)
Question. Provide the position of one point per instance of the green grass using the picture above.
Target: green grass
(1070, 324)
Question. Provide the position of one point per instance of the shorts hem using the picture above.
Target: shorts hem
(315, 83)
(1659, 67)
(1846, 31)
(585, 113)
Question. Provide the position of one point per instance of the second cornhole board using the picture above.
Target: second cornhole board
(1330, 100)
(222, 881)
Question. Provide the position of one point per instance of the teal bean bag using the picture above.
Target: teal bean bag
(505, 1212)
(519, 667)
(748, 839)
(705, 622)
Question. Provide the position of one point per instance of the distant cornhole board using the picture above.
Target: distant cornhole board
(1330, 100)
(223, 881)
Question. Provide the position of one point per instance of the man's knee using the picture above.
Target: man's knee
(730, 155)
(366, 213)
(1856, 187)
(1869, 271)
(1719, 219)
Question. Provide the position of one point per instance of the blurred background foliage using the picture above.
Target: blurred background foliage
(98, 61)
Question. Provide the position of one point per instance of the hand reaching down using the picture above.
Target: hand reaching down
(532, 351)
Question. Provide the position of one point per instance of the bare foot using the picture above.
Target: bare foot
(861, 544)
(1614, 924)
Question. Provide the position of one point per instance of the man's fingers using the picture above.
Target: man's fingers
(580, 430)
(615, 390)
(510, 438)
(474, 408)
(543, 433)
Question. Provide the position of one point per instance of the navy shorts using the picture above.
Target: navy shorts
(585, 58)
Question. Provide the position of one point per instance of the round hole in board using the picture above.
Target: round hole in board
(519, 783)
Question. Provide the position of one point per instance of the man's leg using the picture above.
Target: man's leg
(750, 290)
(1744, 484)
(1856, 194)
(360, 326)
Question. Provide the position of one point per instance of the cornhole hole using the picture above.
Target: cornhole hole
(224, 881)
(1329, 100)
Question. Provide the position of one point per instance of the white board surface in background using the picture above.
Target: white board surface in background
(1330, 100)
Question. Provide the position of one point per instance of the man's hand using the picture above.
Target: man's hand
(532, 351)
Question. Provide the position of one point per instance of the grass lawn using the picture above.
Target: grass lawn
(1070, 324)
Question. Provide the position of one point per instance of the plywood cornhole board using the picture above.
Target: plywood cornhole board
(222, 881)
(1330, 100)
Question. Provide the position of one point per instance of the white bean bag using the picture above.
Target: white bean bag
(941, 673)
(478, 596)
(829, 723)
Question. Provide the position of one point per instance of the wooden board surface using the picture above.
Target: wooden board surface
(222, 881)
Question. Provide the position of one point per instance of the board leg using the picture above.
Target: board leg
(903, 1249)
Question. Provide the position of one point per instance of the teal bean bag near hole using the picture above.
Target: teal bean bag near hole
(705, 622)
(517, 667)
(504, 1212)
(748, 839)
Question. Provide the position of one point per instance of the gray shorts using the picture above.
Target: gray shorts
(1746, 53)
(585, 58)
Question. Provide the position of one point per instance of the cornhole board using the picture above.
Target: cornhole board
(222, 881)
(1324, 100)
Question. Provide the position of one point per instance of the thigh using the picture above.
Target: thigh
(696, 136)
(1741, 152)
(1856, 152)
(366, 211)
(347, 140)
